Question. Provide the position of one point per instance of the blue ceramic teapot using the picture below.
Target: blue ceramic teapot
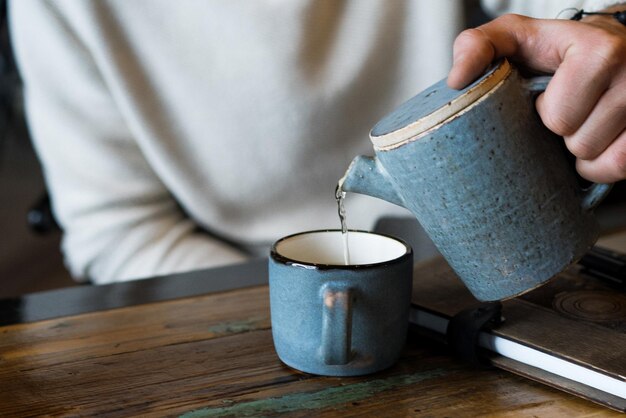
(494, 188)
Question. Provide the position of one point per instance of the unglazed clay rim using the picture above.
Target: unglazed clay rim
(453, 108)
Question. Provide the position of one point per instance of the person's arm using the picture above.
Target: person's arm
(120, 221)
(585, 102)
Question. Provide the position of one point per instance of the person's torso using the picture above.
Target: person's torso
(251, 111)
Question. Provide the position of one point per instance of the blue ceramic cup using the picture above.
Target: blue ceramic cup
(492, 186)
(333, 319)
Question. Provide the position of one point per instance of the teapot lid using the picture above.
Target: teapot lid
(432, 107)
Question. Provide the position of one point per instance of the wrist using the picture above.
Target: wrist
(614, 8)
(606, 17)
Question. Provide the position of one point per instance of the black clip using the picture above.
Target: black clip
(465, 327)
(578, 15)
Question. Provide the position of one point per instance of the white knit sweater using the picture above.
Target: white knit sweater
(154, 118)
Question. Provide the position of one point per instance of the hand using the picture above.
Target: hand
(585, 102)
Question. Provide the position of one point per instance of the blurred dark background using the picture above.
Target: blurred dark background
(29, 261)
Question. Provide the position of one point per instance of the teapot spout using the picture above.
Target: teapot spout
(366, 176)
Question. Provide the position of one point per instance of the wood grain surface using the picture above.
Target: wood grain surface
(213, 355)
(594, 338)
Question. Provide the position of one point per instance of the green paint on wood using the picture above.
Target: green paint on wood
(325, 398)
(237, 327)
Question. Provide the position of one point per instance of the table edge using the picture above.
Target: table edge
(92, 298)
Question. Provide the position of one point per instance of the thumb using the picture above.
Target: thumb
(537, 43)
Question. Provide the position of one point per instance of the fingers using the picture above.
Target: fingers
(590, 66)
(600, 142)
(584, 102)
(609, 167)
(603, 125)
(572, 93)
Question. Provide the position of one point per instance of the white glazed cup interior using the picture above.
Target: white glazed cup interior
(326, 248)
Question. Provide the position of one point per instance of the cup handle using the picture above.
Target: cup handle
(336, 323)
(594, 194)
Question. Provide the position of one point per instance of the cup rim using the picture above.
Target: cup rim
(276, 256)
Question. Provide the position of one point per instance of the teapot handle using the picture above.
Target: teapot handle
(594, 194)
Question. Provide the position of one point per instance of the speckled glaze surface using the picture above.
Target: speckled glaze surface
(340, 320)
(493, 188)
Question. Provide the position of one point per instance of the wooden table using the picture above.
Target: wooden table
(192, 345)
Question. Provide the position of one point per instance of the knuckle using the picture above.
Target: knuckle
(473, 40)
(611, 49)
(470, 36)
(512, 19)
(558, 122)
(582, 148)
(614, 45)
